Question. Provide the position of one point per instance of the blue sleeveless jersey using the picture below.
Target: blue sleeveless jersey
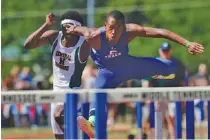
(116, 65)
(110, 56)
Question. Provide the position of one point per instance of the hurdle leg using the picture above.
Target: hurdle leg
(152, 118)
(139, 117)
(199, 121)
(158, 121)
(101, 115)
(178, 120)
(190, 126)
(158, 125)
(70, 116)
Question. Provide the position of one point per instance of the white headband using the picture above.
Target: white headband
(74, 22)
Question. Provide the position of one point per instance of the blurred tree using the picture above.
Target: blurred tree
(19, 19)
(187, 18)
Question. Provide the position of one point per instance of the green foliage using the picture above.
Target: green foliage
(188, 18)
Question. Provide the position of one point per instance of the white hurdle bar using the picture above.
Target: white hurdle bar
(111, 96)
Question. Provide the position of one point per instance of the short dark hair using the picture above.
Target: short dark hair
(72, 15)
(117, 15)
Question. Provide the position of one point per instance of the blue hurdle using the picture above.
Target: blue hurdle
(70, 115)
(101, 97)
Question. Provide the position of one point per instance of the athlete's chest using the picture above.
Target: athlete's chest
(110, 52)
(65, 54)
(64, 58)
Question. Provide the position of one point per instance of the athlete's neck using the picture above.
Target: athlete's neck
(69, 41)
(115, 40)
(111, 42)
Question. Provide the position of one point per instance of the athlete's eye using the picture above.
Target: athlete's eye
(111, 28)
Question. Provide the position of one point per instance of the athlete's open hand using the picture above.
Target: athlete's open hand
(195, 48)
(50, 19)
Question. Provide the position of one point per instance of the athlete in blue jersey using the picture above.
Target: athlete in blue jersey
(115, 65)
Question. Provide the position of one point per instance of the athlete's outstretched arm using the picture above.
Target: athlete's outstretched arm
(42, 36)
(135, 30)
(92, 35)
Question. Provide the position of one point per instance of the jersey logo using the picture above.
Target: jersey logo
(168, 77)
(63, 58)
(113, 53)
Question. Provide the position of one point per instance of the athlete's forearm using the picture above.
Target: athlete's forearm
(137, 30)
(163, 33)
(91, 35)
(81, 30)
(33, 40)
(174, 37)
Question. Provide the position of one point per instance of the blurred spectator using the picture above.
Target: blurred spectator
(22, 114)
(116, 110)
(201, 78)
(26, 77)
(166, 54)
(37, 115)
(191, 82)
(42, 110)
(133, 83)
(6, 116)
(39, 85)
(9, 111)
(15, 72)
(89, 76)
(145, 111)
(7, 83)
